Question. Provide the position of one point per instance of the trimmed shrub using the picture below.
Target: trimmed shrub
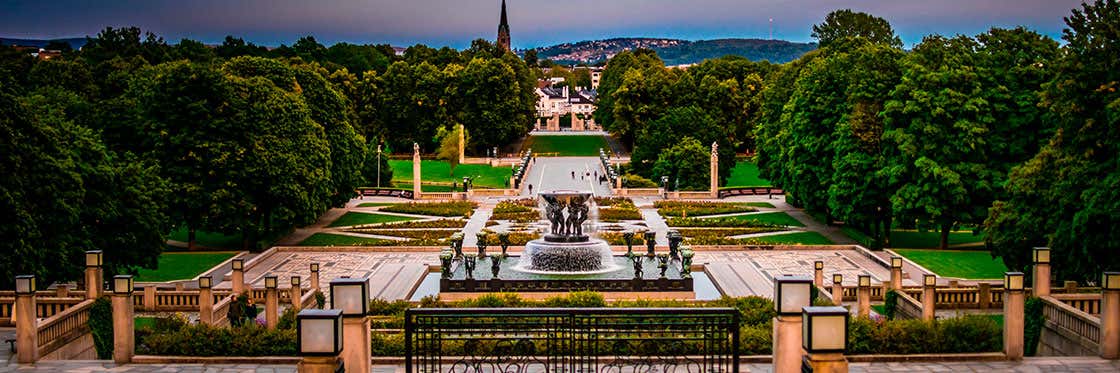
(101, 327)
(756, 339)
(699, 208)
(381, 307)
(455, 208)
(965, 334)
(890, 303)
(1033, 325)
(204, 340)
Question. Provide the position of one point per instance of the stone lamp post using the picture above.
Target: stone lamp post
(351, 296)
(1013, 315)
(94, 275)
(791, 294)
(124, 334)
(824, 333)
(27, 322)
(320, 337)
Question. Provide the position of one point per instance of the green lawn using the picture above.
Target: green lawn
(799, 238)
(759, 204)
(745, 174)
(570, 146)
(957, 263)
(361, 218)
(778, 218)
(144, 322)
(183, 265)
(439, 172)
(922, 240)
(327, 239)
(207, 239)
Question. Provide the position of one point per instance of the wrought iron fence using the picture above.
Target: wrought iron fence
(571, 340)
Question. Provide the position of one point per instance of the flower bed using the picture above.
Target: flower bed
(419, 234)
(441, 223)
(615, 238)
(716, 222)
(515, 238)
(617, 214)
(517, 217)
(724, 232)
(613, 201)
(456, 208)
(699, 208)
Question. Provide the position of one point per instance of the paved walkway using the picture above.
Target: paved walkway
(1040, 364)
(555, 173)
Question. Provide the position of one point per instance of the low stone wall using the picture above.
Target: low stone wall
(907, 307)
(1068, 331)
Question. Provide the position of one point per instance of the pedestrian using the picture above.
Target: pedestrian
(573, 175)
(530, 188)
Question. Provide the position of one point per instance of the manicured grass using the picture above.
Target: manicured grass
(745, 174)
(427, 187)
(778, 218)
(144, 322)
(931, 239)
(759, 204)
(375, 204)
(957, 263)
(439, 171)
(183, 265)
(207, 239)
(327, 239)
(360, 218)
(566, 146)
(799, 238)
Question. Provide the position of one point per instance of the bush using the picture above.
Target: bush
(101, 327)
(756, 339)
(381, 307)
(455, 208)
(616, 214)
(965, 334)
(699, 208)
(517, 217)
(890, 303)
(635, 181)
(613, 201)
(287, 319)
(205, 340)
(1033, 325)
(615, 238)
(386, 344)
(577, 299)
(508, 207)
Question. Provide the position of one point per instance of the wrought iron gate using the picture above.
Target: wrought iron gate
(571, 340)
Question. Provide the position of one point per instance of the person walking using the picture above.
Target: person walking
(530, 188)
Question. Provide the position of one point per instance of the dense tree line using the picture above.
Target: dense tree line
(653, 108)
(1006, 132)
(113, 146)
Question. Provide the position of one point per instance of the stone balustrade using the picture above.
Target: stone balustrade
(907, 307)
(58, 330)
(1085, 302)
(1068, 331)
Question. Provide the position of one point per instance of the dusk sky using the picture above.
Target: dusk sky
(532, 22)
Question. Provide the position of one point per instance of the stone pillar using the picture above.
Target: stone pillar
(1013, 324)
(271, 308)
(462, 144)
(314, 276)
(1041, 286)
(238, 280)
(984, 292)
(863, 299)
(356, 347)
(714, 169)
(296, 294)
(929, 301)
(93, 282)
(827, 363)
(818, 274)
(896, 278)
(27, 328)
(206, 306)
(416, 171)
(150, 298)
(787, 344)
(62, 291)
(123, 328)
(1110, 323)
(837, 289)
(319, 364)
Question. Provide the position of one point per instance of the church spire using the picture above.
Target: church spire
(503, 29)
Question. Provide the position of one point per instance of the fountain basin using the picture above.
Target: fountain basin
(567, 258)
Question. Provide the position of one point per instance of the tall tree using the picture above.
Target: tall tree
(843, 24)
(448, 139)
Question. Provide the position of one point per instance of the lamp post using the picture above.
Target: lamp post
(929, 297)
(837, 289)
(123, 325)
(863, 296)
(1013, 315)
(896, 273)
(824, 335)
(351, 296)
(818, 273)
(27, 321)
(95, 259)
(319, 337)
(238, 276)
(271, 302)
(1110, 315)
(1041, 272)
(206, 300)
(378, 166)
(296, 293)
(314, 276)
(791, 294)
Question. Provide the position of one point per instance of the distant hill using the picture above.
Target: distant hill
(676, 51)
(75, 43)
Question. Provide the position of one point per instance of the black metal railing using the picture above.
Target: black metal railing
(571, 340)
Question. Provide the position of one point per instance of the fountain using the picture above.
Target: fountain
(566, 250)
(565, 258)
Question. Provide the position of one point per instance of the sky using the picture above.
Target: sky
(533, 23)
